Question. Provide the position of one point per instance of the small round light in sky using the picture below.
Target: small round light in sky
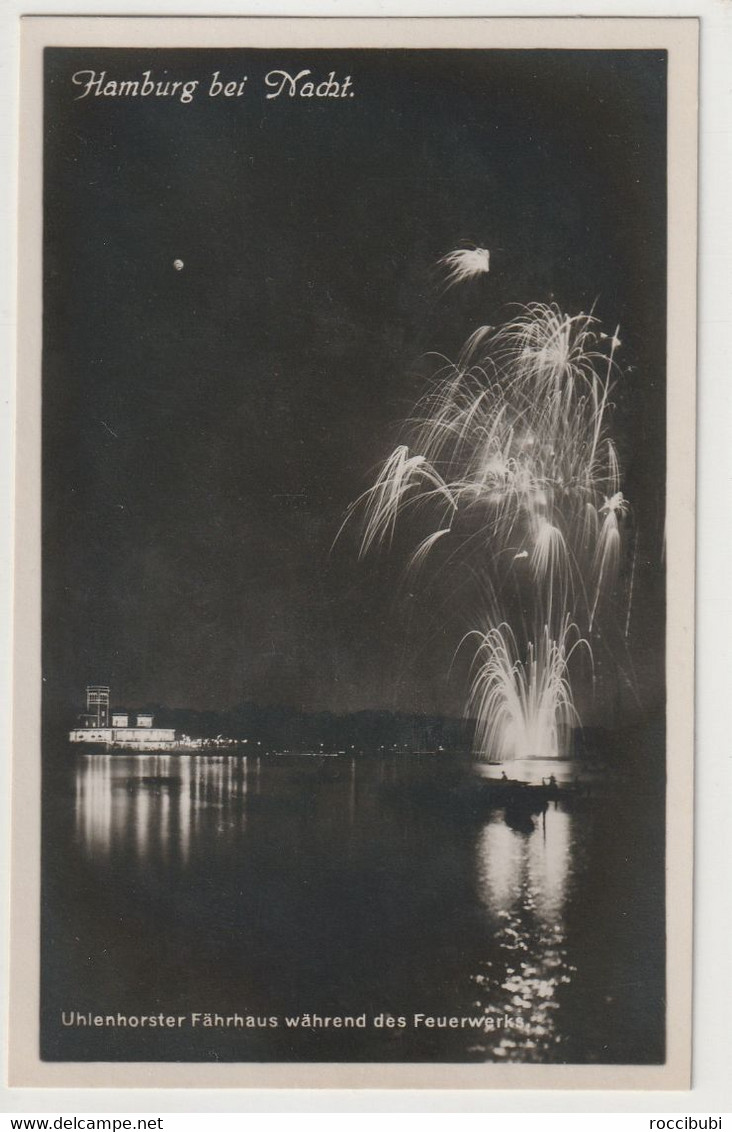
(178, 264)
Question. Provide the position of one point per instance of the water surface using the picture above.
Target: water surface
(343, 887)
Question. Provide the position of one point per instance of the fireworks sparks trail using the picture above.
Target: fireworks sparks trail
(465, 263)
(514, 470)
(522, 707)
(630, 589)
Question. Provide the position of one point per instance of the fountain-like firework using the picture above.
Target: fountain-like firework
(511, 469)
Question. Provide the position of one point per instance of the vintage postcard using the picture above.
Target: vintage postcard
(354, 616)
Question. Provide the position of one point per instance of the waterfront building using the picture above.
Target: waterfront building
(138, 735)
(97, 706)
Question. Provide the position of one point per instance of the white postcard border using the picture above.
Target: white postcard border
(679, 37)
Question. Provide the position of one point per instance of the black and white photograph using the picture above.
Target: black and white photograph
(356, 536)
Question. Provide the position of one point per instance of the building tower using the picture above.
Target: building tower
(97, 705)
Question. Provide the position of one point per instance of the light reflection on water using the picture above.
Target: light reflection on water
(151, 804)
(161, 806)
(523, 881)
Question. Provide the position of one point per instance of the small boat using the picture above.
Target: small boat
(155, 782)
(512, 790)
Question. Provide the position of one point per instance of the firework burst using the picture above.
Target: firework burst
(523, 706)
(464, 264)
(511, 458)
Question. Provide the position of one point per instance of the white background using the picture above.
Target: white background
(712, 1072)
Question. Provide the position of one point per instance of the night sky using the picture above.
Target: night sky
(205, 429)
